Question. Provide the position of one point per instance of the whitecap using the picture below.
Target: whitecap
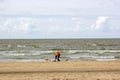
(31, 60)
(8, 45)
(106, 59)
(21, 45)
(103, 57)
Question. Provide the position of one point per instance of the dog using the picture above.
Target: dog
(47, 60)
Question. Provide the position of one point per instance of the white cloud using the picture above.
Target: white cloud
(16, 25)
(100, 24)
(57, 26)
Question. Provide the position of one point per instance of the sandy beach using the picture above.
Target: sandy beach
(84, 70)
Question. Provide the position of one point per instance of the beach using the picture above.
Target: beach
(83, 70)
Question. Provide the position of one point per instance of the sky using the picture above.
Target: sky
(42, 19)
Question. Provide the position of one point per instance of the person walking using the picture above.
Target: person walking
(57, 56)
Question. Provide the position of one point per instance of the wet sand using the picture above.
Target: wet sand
(84, 70)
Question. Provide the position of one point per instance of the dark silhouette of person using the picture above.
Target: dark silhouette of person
(57, 56)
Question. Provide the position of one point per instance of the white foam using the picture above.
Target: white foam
(93, 51)
(9, 45)
(94, 44)
(103, 57)
(74, 51)
(14, 54)
(31, 60)
(73, 56)
(106, 59)
(21, 45)
(47, 51)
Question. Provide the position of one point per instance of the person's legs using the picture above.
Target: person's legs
(58, 58)
(55, 58)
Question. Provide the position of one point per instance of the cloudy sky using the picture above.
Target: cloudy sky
(59, 19)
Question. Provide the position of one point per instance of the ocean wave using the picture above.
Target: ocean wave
(21, 46)
(34, 55)
(103, 57)
(106, 59)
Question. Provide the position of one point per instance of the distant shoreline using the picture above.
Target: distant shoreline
(56, 38)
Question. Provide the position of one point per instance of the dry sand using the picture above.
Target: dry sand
(84, 70)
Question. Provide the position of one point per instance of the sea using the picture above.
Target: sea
(42, 50)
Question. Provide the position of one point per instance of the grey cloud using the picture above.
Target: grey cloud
(65, 7)
(116, 3)
(63, 16)
(1, 1)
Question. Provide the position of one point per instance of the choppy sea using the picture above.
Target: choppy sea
(37, 50)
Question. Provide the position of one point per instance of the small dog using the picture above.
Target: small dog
(47, 60)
